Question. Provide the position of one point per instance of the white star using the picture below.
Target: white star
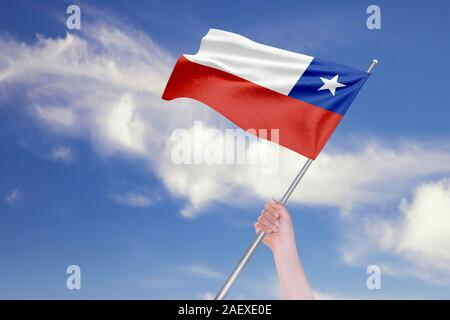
(331, 84)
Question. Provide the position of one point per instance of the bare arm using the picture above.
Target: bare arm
(276, 222)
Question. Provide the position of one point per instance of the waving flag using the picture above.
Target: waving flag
(261, 87)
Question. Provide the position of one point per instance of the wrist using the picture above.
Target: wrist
(283, 248)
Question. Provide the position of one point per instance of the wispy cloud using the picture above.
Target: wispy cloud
(320, 295)
(14, 198)
(366, 173)
(207, 296)
(58, 116)
(134, 199)
(49, 150)
(104, 84)
(62, 153)
(203, 271)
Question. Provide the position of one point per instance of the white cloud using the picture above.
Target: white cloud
(14, 198)
(104, 83)
(320, 295)
(62, 153)
(425, 229)
(58, 116)
(417, 241)
(122, 128)
(374, 174)
(133, 199)
(207, 296)
(203, 271)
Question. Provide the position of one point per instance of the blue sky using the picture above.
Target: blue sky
(78, 186)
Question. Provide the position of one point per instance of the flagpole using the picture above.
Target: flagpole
(260, 236)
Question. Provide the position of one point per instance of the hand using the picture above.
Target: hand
(276, 222)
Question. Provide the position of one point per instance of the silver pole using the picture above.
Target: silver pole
(374, 62)
(260, 236)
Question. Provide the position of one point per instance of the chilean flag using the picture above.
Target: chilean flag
(261, 87)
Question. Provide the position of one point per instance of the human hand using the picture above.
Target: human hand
(276, 222)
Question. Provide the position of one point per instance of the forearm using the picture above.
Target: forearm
(293, 281)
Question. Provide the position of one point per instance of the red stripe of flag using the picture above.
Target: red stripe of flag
(303, 127)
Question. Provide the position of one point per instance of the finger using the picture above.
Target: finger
(271, 217)
(269, 207)
(273, 208)
(273, 214)
(280, 209)
(274, 203)
(261, 227)
(267, 224)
